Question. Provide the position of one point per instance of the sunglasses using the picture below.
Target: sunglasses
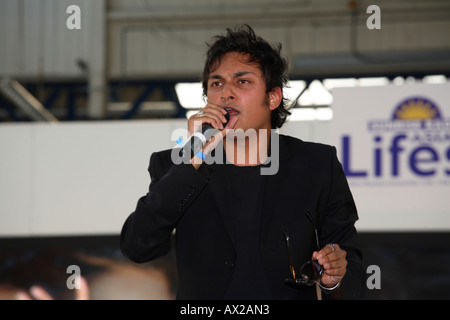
(311, 271)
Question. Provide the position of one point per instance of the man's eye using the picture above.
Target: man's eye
(216, 84)
(243, 81)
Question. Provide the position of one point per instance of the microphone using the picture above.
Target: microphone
(199, 138)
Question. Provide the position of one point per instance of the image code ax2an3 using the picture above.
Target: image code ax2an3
(241, 309)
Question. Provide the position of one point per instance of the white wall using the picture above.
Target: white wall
(75, 178)
(83, 177)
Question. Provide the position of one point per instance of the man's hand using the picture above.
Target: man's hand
(214, 115)
(333, 259)
(39, 293)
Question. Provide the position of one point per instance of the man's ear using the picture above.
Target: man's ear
(275, 97)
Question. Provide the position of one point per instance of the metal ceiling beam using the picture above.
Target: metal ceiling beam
(24, 100)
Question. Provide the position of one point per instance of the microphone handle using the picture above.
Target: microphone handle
(198, 140)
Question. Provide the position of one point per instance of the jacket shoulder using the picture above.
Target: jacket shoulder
(160, 162)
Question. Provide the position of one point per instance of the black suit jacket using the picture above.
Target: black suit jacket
(196, 204)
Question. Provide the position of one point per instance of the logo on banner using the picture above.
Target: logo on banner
(410, 146)
(416, 108)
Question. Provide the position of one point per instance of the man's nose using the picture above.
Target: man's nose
(227, 93)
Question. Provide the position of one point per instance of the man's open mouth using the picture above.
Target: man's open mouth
(232, 111)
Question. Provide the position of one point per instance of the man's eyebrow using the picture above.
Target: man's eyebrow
(242, 73)
(235, 75)
(215, 76)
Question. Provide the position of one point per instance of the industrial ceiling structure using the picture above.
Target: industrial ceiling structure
(126, 58)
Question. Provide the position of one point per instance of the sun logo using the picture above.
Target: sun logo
(416, 109)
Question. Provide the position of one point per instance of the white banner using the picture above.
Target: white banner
(394, 144)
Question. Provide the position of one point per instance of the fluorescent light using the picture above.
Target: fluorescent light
(340, 83)
(311, 114)
(293, 89)
(438, 78)
(375, 81)
(190, 95)
(316, 94)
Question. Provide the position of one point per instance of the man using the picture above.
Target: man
(241, 234)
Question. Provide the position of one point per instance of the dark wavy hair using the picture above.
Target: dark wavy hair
(273, 66)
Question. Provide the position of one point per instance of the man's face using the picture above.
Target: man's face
(239, 87)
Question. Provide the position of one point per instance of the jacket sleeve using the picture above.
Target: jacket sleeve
(146, 232)
(338, 226)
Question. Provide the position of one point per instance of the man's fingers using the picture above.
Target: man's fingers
(40, 293)
(336, 271)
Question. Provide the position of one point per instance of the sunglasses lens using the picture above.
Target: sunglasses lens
(311, 271)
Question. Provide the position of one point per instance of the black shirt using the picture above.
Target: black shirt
(249, 280)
